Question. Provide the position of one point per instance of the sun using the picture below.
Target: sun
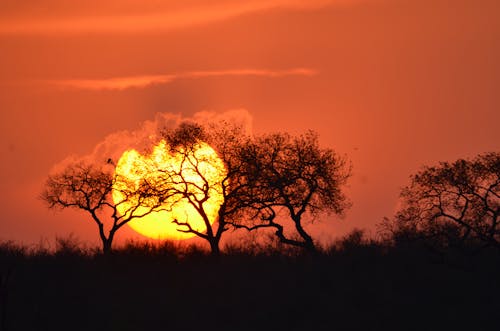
(199, 166)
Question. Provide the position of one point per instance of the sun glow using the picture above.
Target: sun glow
(197, 167)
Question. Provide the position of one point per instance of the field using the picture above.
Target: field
(367, 286)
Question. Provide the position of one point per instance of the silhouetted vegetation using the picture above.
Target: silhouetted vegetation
(453, 205)
(198, 186)
(88, 187)
(293, 176)
(258, 179)
(435, 264)
(264, 177)
(356, 283)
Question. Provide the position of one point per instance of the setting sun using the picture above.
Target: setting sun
(191, 168)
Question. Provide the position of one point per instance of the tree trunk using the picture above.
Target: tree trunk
(214, 247)
(107, 242)
(309, 245)
(106, 246)
(308, 241)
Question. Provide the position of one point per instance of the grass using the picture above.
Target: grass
(355, 284)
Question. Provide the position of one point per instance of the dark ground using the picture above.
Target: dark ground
(357, 288)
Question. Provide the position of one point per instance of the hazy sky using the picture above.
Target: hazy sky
(394, 84)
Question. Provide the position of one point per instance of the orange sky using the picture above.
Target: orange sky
(394, 84)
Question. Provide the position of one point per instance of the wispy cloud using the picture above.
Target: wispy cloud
(160, 20)
(122, 83)
(117, 83)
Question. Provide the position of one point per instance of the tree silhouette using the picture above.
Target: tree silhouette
(193, 183)
(453, 203)
(89, 188)
(294, 176)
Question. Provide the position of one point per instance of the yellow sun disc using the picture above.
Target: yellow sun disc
(196, 167)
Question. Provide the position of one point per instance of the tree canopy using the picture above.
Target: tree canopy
(454, 202)
(227, 141)
(294, 175)
(88, 187)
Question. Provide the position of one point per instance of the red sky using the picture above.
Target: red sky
(394, 84)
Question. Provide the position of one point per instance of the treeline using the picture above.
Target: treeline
(277, 182)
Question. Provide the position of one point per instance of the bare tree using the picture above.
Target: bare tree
(89, 188)
(453, 203)
(294, 176)
(202, 176)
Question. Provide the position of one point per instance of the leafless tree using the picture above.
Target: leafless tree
(453, 203)
(196, 186)
(295, 176)
(88, 187)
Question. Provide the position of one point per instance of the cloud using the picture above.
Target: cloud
(148, 134)
(118, 83)
(156, 19)
(122, 83)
